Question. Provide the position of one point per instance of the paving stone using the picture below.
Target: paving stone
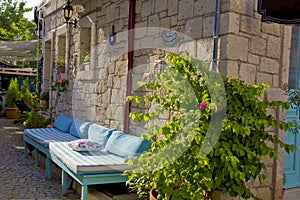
(20, 178)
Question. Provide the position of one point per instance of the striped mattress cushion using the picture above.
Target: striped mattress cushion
(87, 162)
(46, 135)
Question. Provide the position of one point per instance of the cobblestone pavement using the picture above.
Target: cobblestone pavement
(19, 177)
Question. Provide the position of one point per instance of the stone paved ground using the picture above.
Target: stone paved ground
(19, 177)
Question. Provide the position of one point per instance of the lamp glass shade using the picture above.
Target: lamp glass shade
(68, 11)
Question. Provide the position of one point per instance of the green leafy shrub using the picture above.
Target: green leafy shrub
(34, 119)
(86, 57)
(214, 139)
(37, 117)
(12, 93)
(25, 93)
(60, 62)
(45, 96)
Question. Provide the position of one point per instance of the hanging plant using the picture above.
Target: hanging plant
(59, 86)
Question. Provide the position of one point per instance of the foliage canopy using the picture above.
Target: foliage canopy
(13, 25)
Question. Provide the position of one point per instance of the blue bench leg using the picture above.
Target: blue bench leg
(25, 149)
(63, 182)
(83, 192)
(36, 154)
(48, 167)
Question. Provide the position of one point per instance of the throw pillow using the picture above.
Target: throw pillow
(85, 145)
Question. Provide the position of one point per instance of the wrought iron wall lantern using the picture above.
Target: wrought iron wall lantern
(68, 12)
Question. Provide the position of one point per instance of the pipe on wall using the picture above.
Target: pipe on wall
(216, 35)
(131, 22)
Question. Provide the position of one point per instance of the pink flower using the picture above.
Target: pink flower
(62, 79)
(219, 107)
(202, 105)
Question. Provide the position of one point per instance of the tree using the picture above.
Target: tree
(13, 25)
(26, 96)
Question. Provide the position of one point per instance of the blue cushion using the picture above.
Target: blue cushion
(99, 133)
(125, 145)
(63, 123)
(79, 128)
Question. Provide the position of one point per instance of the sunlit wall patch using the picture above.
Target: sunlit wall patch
(170, 38)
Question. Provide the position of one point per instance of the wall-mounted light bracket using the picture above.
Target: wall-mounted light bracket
(68, 12)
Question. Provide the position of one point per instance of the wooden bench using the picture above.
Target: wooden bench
(102, 166)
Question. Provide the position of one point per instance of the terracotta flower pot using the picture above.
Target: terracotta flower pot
(12, 113)
(153, 194)
(44, 104)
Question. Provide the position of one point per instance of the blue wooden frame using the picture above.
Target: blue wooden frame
(87, 179)
(38, 148)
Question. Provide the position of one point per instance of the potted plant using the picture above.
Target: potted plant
(12, 94)
(45, 99)
(25, 93)
(59, 87)
(86, 60)
(214, 138)
(60, 65)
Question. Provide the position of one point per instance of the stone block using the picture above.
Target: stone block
(146, 8)
(117, 82)
(269, 65)
(121, 67)
(193, 28)
(117, 96)
(276, 94)
(250, 25)
(153, 21)
(258, 46)
(253, 59)
(204, 7)
(189, 47)
(274, 47)
(119, 25)
(172, 7)
(208, 26)
(229, 23)
(276, 81)
(204, 49)
(240, 7)
(111, 70)
(248, 73)
(110, 13)
(163, 14)
(105, 98)
(234, 47)
(124, 9)
(271, 28)
(264, 78)
(110, 81)
(174, 20)
(160, 5)
(186, 9)
(165, 22)
(229, 68)
(264, 193)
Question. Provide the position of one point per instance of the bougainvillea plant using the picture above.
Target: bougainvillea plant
(215, 137)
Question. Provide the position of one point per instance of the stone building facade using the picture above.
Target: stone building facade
(255, 51)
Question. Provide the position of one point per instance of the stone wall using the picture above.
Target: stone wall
(257, 52)
(249, 49)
